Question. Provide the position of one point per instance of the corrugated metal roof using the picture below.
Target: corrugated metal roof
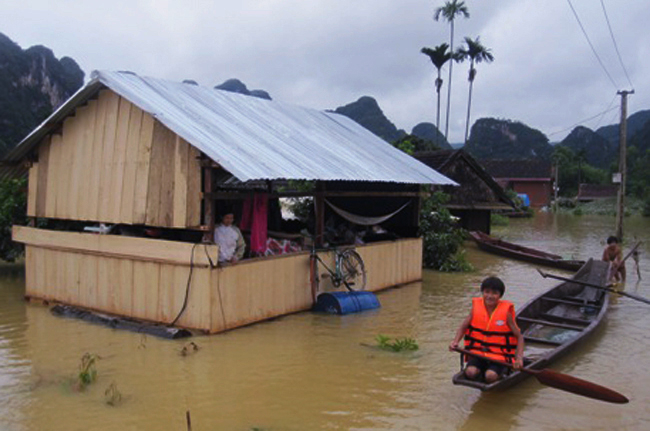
(255, 139)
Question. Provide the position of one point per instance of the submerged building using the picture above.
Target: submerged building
(126, 180)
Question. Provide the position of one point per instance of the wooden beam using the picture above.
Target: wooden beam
(548, 323)
(116, 246)
(246, 193)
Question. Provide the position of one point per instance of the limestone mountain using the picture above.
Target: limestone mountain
(641, 138)
(33, 83)
(429, 132)
(366, 111)
(634, 123)
(597, 150)
(236, 86)
(492, 138)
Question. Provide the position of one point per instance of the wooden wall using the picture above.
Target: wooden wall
(112, 162)
(147, 279)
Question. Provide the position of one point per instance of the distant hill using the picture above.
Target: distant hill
(641, 138)
(505, 139)
(634, 123)
(236, 86)
(366, 112)
(32, 84)
(429, 132)
(598, 151)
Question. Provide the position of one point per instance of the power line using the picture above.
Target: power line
(615, 44)
(586, 119)
(605, 112)
(592, 46)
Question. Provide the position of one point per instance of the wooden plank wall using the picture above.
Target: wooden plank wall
(147, 279)
(114, 163)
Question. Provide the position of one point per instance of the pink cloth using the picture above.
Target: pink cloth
(254, 218)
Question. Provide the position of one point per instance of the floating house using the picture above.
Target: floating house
(532, 177)
(127, 178)
(477, 193)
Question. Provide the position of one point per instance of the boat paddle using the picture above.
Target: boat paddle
(584, 283)
(563, 382)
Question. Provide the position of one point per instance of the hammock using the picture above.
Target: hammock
(361, 220)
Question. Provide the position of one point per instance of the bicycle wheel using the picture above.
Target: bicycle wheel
(353, 271)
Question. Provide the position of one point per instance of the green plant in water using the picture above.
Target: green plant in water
(577, 211)
(499, 220)
(112, 395)
(87, 371)
(442, 239)
(399, 345)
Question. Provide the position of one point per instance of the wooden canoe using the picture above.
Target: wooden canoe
(554, 322)
(503, 248)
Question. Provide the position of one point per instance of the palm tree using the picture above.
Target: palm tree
(449, 12)
(439, 56)
(476, 53)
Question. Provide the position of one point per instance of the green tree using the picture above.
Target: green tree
(13, 206)
(439, 56)
(441, 237)
(449, 12)
(476, 53)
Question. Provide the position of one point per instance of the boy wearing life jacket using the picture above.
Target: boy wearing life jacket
(490, 331)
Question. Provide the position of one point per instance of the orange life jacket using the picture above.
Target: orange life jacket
(491, 336)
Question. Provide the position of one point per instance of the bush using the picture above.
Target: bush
(499, 220)
(13, 210)
(442, 239)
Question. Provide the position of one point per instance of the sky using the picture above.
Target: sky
(324, 54)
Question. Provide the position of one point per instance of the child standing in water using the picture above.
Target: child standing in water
(614, 255)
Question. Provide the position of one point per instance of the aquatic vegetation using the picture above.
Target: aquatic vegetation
(189, 348)
(143, 341)
(87, 371)
(112, 395)
(399, 345)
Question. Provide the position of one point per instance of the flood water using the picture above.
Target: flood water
(317, 372)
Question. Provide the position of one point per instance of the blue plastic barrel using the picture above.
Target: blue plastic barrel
(346, 302)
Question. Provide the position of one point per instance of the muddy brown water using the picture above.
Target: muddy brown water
(313, 372)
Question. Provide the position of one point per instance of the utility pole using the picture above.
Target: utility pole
(622, 166)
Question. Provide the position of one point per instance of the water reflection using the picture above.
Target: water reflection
(310, 371)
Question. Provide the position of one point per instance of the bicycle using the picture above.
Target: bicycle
(349, 269)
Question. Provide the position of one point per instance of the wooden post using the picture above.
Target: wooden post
(622, 165)
(208, 204)
(319, 213)
(556, 186)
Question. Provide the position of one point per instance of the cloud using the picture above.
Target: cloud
(327, 53)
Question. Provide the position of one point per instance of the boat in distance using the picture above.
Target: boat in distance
(508, 249)
(554, 322)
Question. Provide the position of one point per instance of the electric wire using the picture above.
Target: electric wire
(611, 33)
(584, 121)
(592, 46)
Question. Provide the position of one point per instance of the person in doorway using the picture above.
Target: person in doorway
(490, 330)
(229, 239)
(614, 255)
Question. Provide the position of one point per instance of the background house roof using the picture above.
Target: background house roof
(531, 168)
(477, 189)
(252, 138)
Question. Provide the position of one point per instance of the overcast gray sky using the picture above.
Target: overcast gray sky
(327, 53)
